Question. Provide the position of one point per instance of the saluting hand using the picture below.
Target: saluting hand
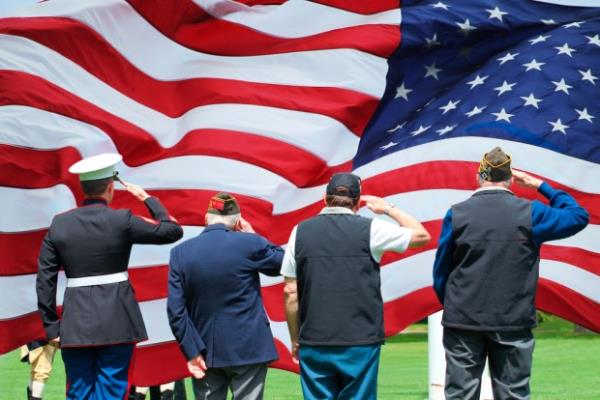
(526, 180)
(243, 226)
(135, 190)
(375, 204)
(197, 367)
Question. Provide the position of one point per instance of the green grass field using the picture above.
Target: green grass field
(566, 366)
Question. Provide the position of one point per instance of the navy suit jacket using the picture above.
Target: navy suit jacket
(215, 307)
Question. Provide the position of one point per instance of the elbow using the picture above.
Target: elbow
(290, 292)
(420, 238)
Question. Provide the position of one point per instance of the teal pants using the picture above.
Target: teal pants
(339, 372)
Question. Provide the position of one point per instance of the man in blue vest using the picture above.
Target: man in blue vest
(333, 293)
(215, 307)
(486, 272)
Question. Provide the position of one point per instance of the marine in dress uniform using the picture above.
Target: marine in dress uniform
(101, 320)
(485, 274)
(215, 306)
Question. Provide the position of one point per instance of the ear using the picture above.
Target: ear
(325, 198)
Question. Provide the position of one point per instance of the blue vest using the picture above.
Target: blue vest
(338, 282)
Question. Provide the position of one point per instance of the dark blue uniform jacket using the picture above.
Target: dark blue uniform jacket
(215, 307)
(96, 240)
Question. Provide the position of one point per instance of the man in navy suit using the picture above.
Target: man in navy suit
(215, 307)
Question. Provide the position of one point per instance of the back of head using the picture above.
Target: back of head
(343, 190)
(223, 208)
(495, 168)
(96, 187)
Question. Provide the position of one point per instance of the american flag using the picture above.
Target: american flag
(266, 99)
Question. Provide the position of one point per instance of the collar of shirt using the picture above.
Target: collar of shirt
(216, 227)
(488, 188)
(94, 200)
(336, 210)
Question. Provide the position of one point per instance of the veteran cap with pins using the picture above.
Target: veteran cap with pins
(100, 166)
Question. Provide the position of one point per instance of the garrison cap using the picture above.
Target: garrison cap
(223, 204)
(495, 166)
(96, 167)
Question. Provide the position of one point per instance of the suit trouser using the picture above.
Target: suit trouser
(97, 373)
(339, 372)
(41, 359)
(510, 356)
(247, 382)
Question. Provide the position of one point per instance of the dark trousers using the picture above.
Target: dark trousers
(247, 382)
(339, 372)
(510, 355)
(97, 373)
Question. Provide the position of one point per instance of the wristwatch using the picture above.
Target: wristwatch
(388, 208)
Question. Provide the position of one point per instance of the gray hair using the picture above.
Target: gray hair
(228, 220)
(483, 182)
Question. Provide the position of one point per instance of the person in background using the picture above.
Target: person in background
(40, 356)
(333, 291)
(486, 273)
(101, 320)
(215, 306)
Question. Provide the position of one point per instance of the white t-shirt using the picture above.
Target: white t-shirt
(385, 236)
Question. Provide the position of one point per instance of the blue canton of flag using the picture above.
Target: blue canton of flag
(516, 70)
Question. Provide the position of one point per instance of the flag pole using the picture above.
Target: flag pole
(437, 362)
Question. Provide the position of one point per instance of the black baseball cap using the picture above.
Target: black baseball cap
(344, 184)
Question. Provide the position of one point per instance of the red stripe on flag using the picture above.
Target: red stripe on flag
(173, 365)
(559, 300)
(188, 24)
(16, 332)
(361, 6)
(174, 98)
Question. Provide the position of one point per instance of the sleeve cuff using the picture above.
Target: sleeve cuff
(546, 190)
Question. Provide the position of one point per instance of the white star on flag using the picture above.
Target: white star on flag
(594, 40)
(565, 49)
(576, 24)
(399, 126)
(387, 146)
(507, 57)
(539, 39)
(432, 41)
(531, 101)
(583, 114)
(402, 91)
(533, 64)
(420, 130)
(450, 106)
(446, 129)
(587, 76)
(496, 13)
(505, 87)
(477, 81)
(562, 86)
(431, 70)
(466, 27)
(503, 115)
(476, 110)
(558, 126)
(548, 21)
(439, 4)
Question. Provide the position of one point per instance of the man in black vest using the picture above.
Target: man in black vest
(332, 287)
(101, 320)
(486, 272)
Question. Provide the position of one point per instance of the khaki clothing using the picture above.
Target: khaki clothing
(41, 359)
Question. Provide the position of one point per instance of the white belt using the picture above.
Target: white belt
(97, 280)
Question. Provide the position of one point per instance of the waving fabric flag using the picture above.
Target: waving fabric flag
(266, 99)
